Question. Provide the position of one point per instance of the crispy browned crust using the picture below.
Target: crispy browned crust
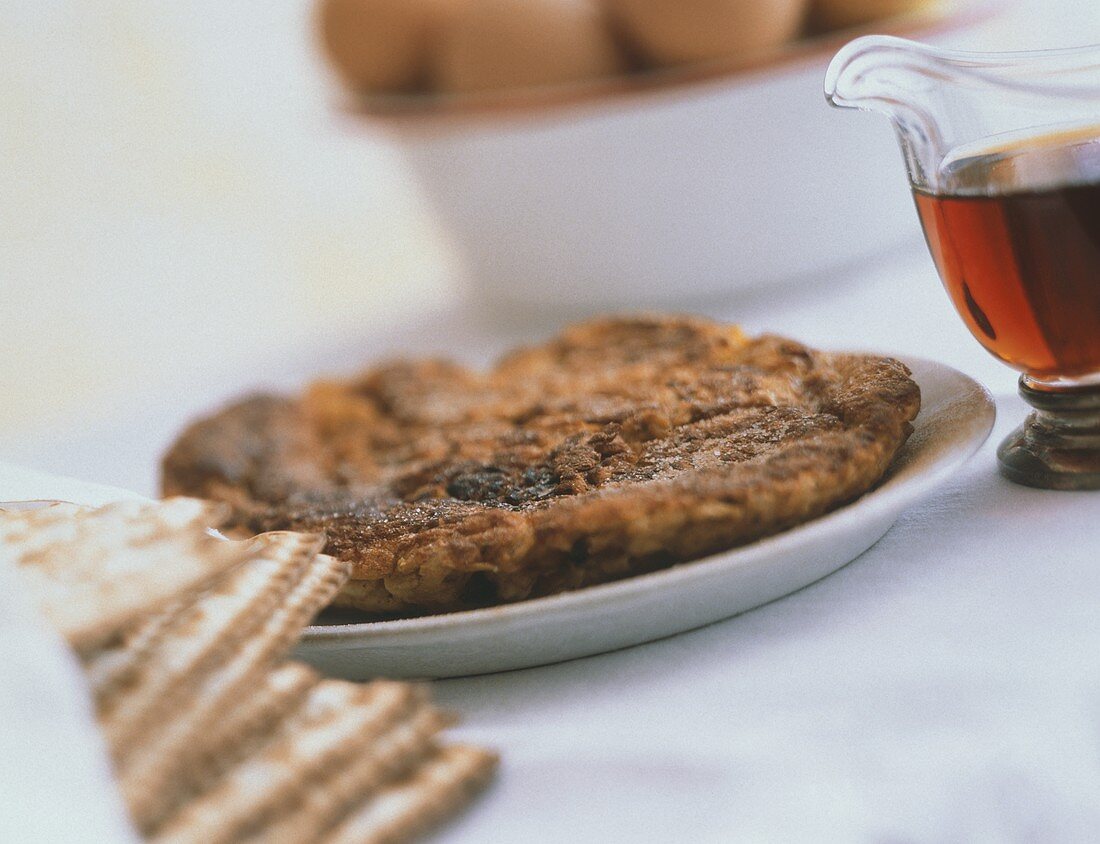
(621, 446)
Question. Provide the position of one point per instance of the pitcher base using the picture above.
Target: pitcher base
(1058, 446)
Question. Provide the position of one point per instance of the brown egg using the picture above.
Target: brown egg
(499, 44)
(684, 31)
(840, 14)
(378, 45)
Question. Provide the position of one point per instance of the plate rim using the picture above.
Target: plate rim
(334, 636)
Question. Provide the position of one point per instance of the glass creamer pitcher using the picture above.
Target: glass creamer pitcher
(1003, 153)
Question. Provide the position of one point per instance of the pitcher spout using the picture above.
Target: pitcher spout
(884, 73)
(943, 101)
(903, 80)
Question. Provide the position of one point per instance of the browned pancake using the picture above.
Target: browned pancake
(621, 446)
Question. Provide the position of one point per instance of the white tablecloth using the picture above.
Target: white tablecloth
(945, 686)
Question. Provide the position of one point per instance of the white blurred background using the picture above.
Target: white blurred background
(172, 171)
(182, 216)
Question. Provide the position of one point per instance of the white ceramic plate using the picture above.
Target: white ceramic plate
(956, 416)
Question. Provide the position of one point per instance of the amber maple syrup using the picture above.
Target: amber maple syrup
(1016, 238)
